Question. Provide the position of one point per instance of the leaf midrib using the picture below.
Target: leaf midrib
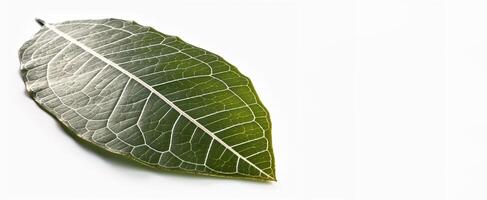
(166, 100)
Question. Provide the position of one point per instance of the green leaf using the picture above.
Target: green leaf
(151, 97)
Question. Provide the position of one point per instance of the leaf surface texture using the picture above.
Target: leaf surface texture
(152, 97)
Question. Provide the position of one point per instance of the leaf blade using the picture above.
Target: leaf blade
(111, 52)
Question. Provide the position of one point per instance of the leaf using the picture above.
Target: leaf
(151, 97)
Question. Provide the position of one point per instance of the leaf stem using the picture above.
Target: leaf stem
(40, 21)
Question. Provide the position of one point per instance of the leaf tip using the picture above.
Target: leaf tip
(40, 21)
(271, 178)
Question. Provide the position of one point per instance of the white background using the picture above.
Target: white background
(377, 99)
